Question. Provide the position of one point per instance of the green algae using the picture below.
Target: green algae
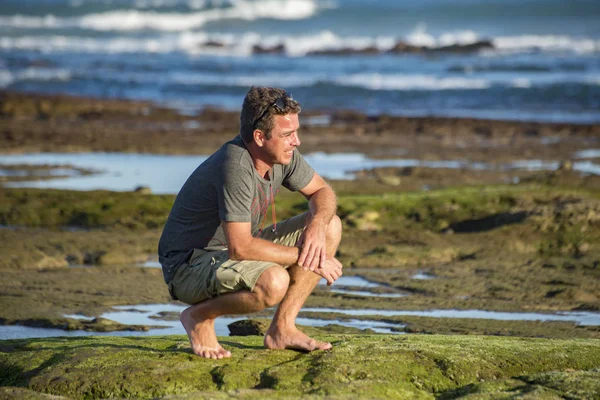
(90, 209)
(376, 366)
(482, 244)
(547, 385)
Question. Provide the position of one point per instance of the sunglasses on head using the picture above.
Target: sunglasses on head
(278, 104)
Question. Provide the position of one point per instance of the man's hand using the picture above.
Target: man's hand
(313, 246)
(331, 270)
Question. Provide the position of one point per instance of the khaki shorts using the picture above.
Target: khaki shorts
(211, 273)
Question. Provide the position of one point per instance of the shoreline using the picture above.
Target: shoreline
(62, 123)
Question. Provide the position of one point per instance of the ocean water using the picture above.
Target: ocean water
(187, 54)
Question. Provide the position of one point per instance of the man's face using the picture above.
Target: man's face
(284, 138)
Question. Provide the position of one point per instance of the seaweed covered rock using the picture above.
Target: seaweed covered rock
(248, 327)
(358, 367)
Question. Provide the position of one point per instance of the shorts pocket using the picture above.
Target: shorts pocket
(228, 278)
(190, 284)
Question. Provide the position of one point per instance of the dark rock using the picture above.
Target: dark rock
(248, 327)
(349, 117)
(553, 293)
(92, 257)
(586, 307)
(465, 48)
(278, 49)
(166, 316)
(402, 47)
(346, 51)
(565, 165)
(213, 43)
(143, 190)
(483, 131)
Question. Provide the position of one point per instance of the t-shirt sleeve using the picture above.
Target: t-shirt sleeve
(234, 191)
(298, 173)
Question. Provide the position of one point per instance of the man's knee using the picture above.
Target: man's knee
(334, 229)
(272, 285)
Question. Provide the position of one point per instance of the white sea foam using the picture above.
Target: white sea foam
(420, 37)
(327, 40)
(51, 44)
(592, 80)
(6, 78)
(192, 42)
(44, 74)
(523, 83)
(134, 19)
(283, 79)
(162, 3)
(33, 74)
(47, 22)
(376, 81)
(547, 43)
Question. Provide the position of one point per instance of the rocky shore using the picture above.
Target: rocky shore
(358, 367)
(498, 239)
(36, 123)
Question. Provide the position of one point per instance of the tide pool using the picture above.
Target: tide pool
(165, 174)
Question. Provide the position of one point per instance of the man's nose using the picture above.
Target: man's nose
(296, 139)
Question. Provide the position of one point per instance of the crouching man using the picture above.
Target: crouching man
(215, 251)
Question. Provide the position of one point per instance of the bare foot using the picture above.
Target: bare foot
(293, 339)
(202, 336)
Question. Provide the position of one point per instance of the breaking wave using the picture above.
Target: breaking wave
(135, 19)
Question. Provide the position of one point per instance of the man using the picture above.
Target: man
(215, 252)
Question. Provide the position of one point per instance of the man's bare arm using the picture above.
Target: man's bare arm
(322, 206)
(243, 246)
(311, 250)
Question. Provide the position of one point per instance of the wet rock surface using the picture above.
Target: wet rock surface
(30, 123)
(492, 242)
(499, 240)
(547, 261)
(363, 367)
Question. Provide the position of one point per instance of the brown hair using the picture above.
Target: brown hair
(258, 110)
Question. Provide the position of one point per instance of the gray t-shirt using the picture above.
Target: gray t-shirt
(224, 187)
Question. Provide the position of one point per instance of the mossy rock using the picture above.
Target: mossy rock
(259, 327)
(249, 327)
(365, 221)
(358, 367)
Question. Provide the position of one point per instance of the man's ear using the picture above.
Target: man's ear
(259, 137)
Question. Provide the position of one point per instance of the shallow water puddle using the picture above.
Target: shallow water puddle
(588, 153)
(423, 276)
(142, 315)
(369, 294)
(39, 173)
(166, 173)
(580, 317)
(351, 281)
(150, 314)
(357, 281)
(151, 264)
